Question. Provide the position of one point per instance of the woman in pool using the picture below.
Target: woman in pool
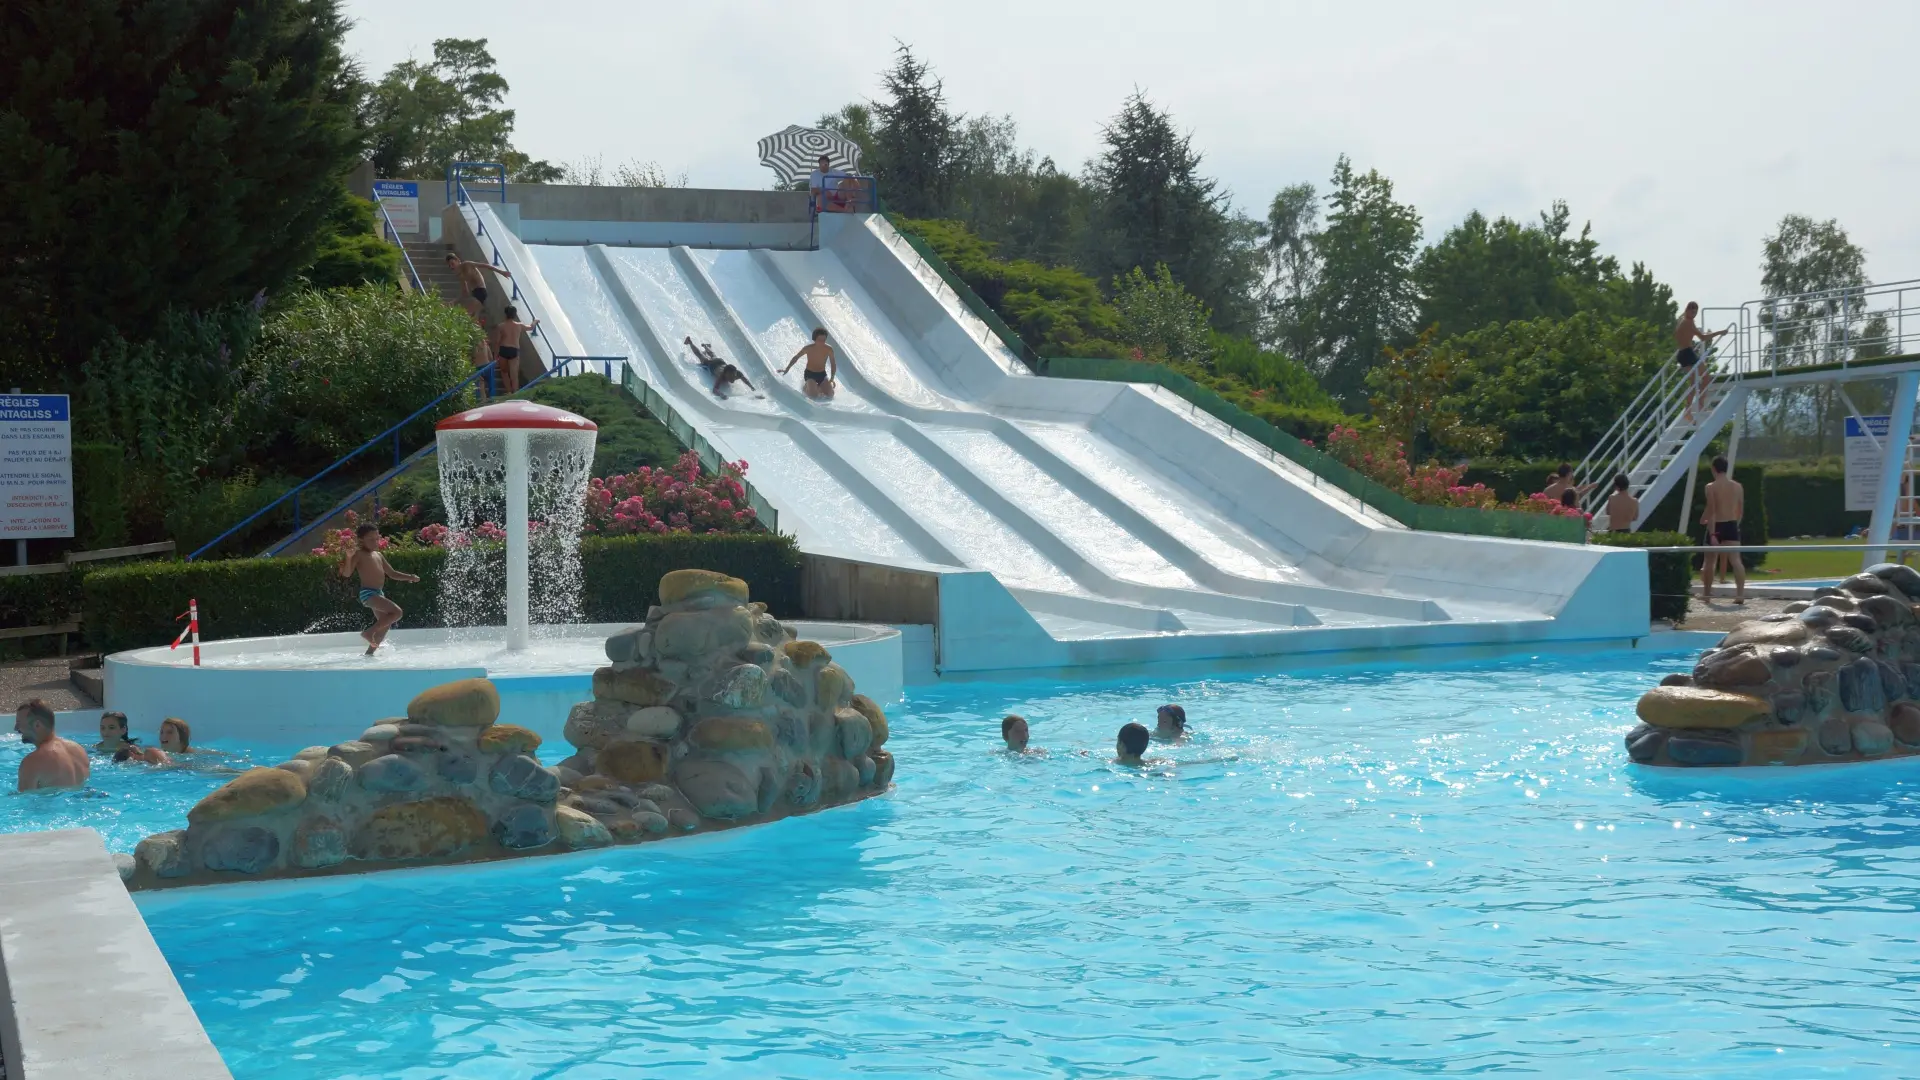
(124, 747)
(177, 738)
(1170, 723)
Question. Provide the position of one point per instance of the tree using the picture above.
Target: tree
(635, 173)
(1161, 318)
(1292, 268)
(157, 154)
(1814, 278)
(915, 139)
(1154, 207)
(1485, 272)
(1552, 386)
(1365, 297)
(352, 251)
(1408, 399)
(855, 121)
(425, 117)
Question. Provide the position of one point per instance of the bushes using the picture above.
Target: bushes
(352, 251)
(1810, 499)
(132, 606)
(1057, 311)
(337, 367)
(99, 495)
(39, 599)
(1669, 573)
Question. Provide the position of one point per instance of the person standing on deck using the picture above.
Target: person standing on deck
(1726, 505)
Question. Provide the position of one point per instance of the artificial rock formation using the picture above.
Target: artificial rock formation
(1836, 678)
(709, 715)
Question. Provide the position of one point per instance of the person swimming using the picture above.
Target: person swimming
(1013, 728)
(1170, 723)
(1131, 745)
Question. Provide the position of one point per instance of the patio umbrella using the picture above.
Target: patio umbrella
(793, 151)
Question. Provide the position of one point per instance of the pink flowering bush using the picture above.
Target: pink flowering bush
(1384, 461)
(337, 542)
(673, 498)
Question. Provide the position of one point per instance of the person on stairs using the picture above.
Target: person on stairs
(473, 285)
(1622, 508)
(1689, 357)
(507, 339)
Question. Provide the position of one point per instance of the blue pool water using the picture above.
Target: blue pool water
(1405, 872)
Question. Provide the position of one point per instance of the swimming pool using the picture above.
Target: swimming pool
(1405, 872)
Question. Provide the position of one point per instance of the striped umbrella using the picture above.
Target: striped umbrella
(794, 151)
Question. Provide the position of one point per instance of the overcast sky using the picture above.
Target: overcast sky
(1683, 132)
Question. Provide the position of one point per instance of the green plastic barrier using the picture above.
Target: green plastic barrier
(1517, 524)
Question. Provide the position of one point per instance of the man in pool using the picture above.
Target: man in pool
(1131, 745)
(55, 762)
(1170, 723)
(1013, 729)
(823, 368)
(374, 570)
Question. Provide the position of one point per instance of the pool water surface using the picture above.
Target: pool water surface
(1400, 872)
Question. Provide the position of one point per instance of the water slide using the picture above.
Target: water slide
(1069, 522)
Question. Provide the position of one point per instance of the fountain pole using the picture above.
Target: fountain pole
(519, 477)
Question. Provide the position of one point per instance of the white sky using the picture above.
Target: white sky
(1682, 131)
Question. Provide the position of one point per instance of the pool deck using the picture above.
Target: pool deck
(85, 993)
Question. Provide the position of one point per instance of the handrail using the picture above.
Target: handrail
(381, 205)
(1637, 433)
(485, 372)
(372, 488)
(457, 174)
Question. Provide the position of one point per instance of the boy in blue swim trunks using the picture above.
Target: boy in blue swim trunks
(374, 570)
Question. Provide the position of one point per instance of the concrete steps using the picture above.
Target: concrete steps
(430, 262)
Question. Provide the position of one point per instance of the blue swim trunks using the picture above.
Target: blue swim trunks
(367, 595)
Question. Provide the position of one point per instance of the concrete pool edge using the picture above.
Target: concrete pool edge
(84, 989)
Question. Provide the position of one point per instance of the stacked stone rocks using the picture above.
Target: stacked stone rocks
(1836, 678)
(710, 715)
(712, 711)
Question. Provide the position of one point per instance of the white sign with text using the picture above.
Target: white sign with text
(401, 198)
(1864, 445)
(36, 466)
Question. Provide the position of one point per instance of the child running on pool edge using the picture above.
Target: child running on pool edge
(823, 367)
(374, 570)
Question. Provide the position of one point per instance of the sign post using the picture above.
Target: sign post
(401, 198)
(1866, 445)
(36, 467)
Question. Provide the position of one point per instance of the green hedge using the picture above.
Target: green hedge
(38, 599)
(1810, 499)
(132, 606)
(1669, 573)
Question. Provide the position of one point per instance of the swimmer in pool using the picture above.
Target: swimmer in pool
(1131, 745)
(124, 747)
(55, 762)
(1014, 730)
(1170, 723)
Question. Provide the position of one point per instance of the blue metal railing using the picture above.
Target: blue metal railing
(371, 489)
(493, 258)
(488, 172)
(393, 234)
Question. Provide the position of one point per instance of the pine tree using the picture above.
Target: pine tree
(915, 140)
(156, 155)
(1364, 298)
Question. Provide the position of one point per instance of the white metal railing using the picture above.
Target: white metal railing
(1653, 427)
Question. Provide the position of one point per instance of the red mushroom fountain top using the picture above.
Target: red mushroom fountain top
(515, 414)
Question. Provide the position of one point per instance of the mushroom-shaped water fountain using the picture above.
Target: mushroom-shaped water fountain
(523, 467)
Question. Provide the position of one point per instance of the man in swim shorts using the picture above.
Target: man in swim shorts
(1726, 505)
(823, 367)
(1688, 356)
(374, 570)
(506, 340)
(473, 284)
(55, 762)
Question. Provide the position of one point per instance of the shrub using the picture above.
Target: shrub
(1384, 461)
(352, 251)
(1669, 573)
(134, 605)
(337, 367)
(1810, 499)
(676, 499)
(39, 599)
(1161, 318)
(1057, 311)
(99, 495)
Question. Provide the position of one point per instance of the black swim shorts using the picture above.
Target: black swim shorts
(1727, 532)
(508, 352)
(1686, 357)
(815, 376)
(480, 294)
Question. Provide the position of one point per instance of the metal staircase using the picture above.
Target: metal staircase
(1656, 441)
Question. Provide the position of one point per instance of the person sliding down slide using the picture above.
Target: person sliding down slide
(717, 369)
(822, 376)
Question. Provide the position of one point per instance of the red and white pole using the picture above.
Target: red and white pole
(193, 625)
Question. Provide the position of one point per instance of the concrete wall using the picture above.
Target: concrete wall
(710, 214)
(84, 992)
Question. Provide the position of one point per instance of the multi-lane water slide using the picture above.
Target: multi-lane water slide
(1067, 522)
